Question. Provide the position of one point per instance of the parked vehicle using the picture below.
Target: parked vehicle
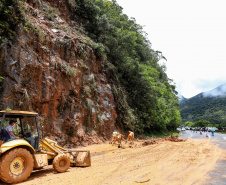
(18, 157)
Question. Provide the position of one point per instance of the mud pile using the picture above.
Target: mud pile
(161, 163)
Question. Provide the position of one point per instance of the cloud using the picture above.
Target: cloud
(186, 88)
(219, 91)
(191, 87)
(191, 35)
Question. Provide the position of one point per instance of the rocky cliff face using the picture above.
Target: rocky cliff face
(52, 70)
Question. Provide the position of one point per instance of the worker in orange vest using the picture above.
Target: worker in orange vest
(130, 136)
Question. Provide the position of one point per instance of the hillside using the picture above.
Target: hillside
(210, 106)
(182, 99)
(85, 67)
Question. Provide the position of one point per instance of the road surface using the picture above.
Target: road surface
(160, 162)
(154, 162)
(218, 175)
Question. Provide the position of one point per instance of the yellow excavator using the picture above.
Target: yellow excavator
(18, 157)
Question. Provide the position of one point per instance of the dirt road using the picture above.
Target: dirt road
(164, 162)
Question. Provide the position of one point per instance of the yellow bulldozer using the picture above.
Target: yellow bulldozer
(18, 157)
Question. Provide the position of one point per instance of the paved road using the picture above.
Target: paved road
(218, 175)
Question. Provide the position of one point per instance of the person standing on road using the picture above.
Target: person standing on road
(212, 130)
(9, 129)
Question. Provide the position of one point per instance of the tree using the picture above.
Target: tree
(201, 123)
(188, 124)
(145, 98)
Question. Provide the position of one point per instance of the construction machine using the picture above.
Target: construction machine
(18, 157)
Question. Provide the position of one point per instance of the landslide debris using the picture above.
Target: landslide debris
(156, 141)
(164, 162)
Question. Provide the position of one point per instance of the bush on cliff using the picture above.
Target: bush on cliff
(10, 17)
(149, 98)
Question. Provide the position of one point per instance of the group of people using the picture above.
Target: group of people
(117, 137)
(204, 129)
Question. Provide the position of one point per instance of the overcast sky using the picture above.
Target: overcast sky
(191, 34)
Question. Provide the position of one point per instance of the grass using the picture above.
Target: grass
(48, 11)
(221, 131)
(70, 71)
(164, 134)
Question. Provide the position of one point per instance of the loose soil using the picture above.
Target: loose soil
(154, 162)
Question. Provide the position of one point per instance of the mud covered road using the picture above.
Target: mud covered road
(162, 162)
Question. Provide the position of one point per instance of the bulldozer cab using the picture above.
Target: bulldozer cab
(26, 127)
(18, 157)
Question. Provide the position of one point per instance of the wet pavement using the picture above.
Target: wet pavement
(218, 175)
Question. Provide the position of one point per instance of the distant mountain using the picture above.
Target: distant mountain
(210, 105)
(182, 99)
(219, 91)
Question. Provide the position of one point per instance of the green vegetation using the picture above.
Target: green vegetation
(221, 127)
(1, 78)
(10, 16)
(200, 123)
(221, 131)
(164, 134)
(146, 101)
(188, 124)
(48, 11)
(68, 70)
(212, 109)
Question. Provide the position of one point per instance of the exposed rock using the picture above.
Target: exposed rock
(56, 74)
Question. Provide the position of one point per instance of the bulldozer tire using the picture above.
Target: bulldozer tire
(61, 163)
(16, 165)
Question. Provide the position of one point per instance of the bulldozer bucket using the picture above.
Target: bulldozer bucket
(81, 158)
